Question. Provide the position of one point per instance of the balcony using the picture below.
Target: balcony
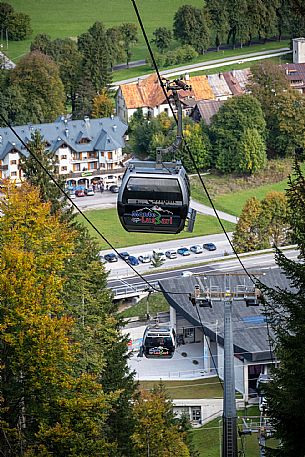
(88, 173)
(86, 159)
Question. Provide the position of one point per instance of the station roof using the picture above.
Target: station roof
(250, 333)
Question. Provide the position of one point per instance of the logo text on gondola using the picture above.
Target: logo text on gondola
(146, 216)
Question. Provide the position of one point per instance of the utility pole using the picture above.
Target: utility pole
(203, 296)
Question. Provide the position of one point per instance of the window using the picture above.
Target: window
(76, 167)
(92, 165)
(77, 156)
(63, 168)
(13, 162)
(110, 155)
(14, 173)
(64, 157)
(189, 333)
(196, 413)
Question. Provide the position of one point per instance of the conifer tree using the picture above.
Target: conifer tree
(286, 314)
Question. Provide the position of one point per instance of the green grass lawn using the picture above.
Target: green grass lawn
(207, 439)
(107, 222)
(156, 303)
(61, 19)
(230, 193)
(199, 388)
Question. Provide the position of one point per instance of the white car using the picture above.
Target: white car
(171, 254)
(196, 249)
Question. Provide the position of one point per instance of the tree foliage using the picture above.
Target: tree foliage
(191, 26)
(49, 406)
(37, 77)
(286, 315)
(17, 26)
(163, 38)
(156, 432)
(262, 224)
(129, 35)
(102, 105)
(238, 122)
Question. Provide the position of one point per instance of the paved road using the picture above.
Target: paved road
(254, 263)
(214, 64)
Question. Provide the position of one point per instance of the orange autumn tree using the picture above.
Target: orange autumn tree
(47, 405)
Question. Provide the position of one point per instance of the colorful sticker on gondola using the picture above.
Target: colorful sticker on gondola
(152, 216)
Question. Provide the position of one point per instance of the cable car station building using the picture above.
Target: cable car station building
(205, 325)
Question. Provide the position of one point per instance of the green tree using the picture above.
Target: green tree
(251, 152)
(16, 25)
(238, 21)
(115, 44)
(130, 37)
(102, 105)
(268, 83)
(246, 237)
(199, 145)
(273, 223)
(286, 315)
(48, 406)
(37, 77)
(218, 14)
(235, 116)
(192, 26)
(19, 26)
(96, 63)
(34, 173)
(163, 38)
(156, 431)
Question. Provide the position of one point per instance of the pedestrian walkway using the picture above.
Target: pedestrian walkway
(204, 209)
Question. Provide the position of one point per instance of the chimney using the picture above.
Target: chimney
(87, 120)
(0, 139)
(67, 133)
(186, 77)
(114, 127)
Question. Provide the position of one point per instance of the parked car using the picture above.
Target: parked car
(79, 193)
(132, 260)
(89, 192)
(186, 274)
(111, 257)
(183, 251)
(209, 246)
(114, 189)
(158, 254)
(145, 258)
(171, 254)
(196, 249)
(124, 255)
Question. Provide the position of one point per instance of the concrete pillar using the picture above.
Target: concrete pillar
(246, 383)
(173, 318)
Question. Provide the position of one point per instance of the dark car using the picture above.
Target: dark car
(183, 251)
(111, 257)
(79, 193)
(114, 189)
(209, 246)
(132, 260)
(123, 255)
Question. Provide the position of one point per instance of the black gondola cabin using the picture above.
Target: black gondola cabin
(152, 199)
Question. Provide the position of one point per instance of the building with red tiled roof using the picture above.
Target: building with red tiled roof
(148, 95)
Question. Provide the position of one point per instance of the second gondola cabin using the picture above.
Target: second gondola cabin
(154, 199)
(159, 342)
